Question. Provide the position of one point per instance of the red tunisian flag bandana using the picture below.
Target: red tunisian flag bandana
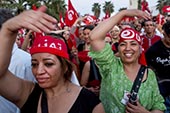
(49, 44)
(131, 34)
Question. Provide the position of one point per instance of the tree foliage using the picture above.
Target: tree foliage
(139, 4)
(54, 6)
(108, 7)
(96, 8)
(161, 4)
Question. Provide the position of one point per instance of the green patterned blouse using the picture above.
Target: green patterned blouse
(115, 82)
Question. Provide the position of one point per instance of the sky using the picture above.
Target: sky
(84, 6)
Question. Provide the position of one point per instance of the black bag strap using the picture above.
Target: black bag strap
(44, 104)
(94, 69)
(136, 85)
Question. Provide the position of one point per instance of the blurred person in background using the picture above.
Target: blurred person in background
(158, 58)
(20, 65)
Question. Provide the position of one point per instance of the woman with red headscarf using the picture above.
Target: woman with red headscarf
(53, 92)
(118, 74)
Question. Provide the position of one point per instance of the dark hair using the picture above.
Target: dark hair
(166, 27)
(67, 67)
(90, 27)
(5, 14)
(143, 23)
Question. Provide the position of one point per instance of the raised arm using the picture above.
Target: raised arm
(11, 87)
(33, 20)
(98, 34)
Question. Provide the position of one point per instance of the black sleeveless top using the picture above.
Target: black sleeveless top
(94, 75)
(85, 102)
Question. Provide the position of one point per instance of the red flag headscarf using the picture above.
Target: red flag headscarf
(160, 19)
(48, 44)
(71, 15)
(131, 34)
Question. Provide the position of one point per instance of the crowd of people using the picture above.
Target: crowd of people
(83, 68)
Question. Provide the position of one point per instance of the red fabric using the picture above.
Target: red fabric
(113, 47)
(21, 31)
(71, 42)
(131, 34)
(160, 19)
(77, 32)
(21, 40)
(98, 21)
(149, 42)
(128, 19)
(83, 56)
(142, 58)
(144, 5)
(34, 7)
(107, 15)
(166, 9)
(93, 83)
(48, 44)
(108, 35)
(61, 22)
(90, 19)
(71, 15)
(36, 34)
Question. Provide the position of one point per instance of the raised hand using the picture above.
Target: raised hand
(138, 13)
(37, 21)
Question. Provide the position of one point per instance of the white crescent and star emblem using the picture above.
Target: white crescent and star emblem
(70, 14)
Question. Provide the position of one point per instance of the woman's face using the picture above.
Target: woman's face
(86, 33)
(114, 33)
(66, 35)
(47, 69)
(129, 51)
(81, 35)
